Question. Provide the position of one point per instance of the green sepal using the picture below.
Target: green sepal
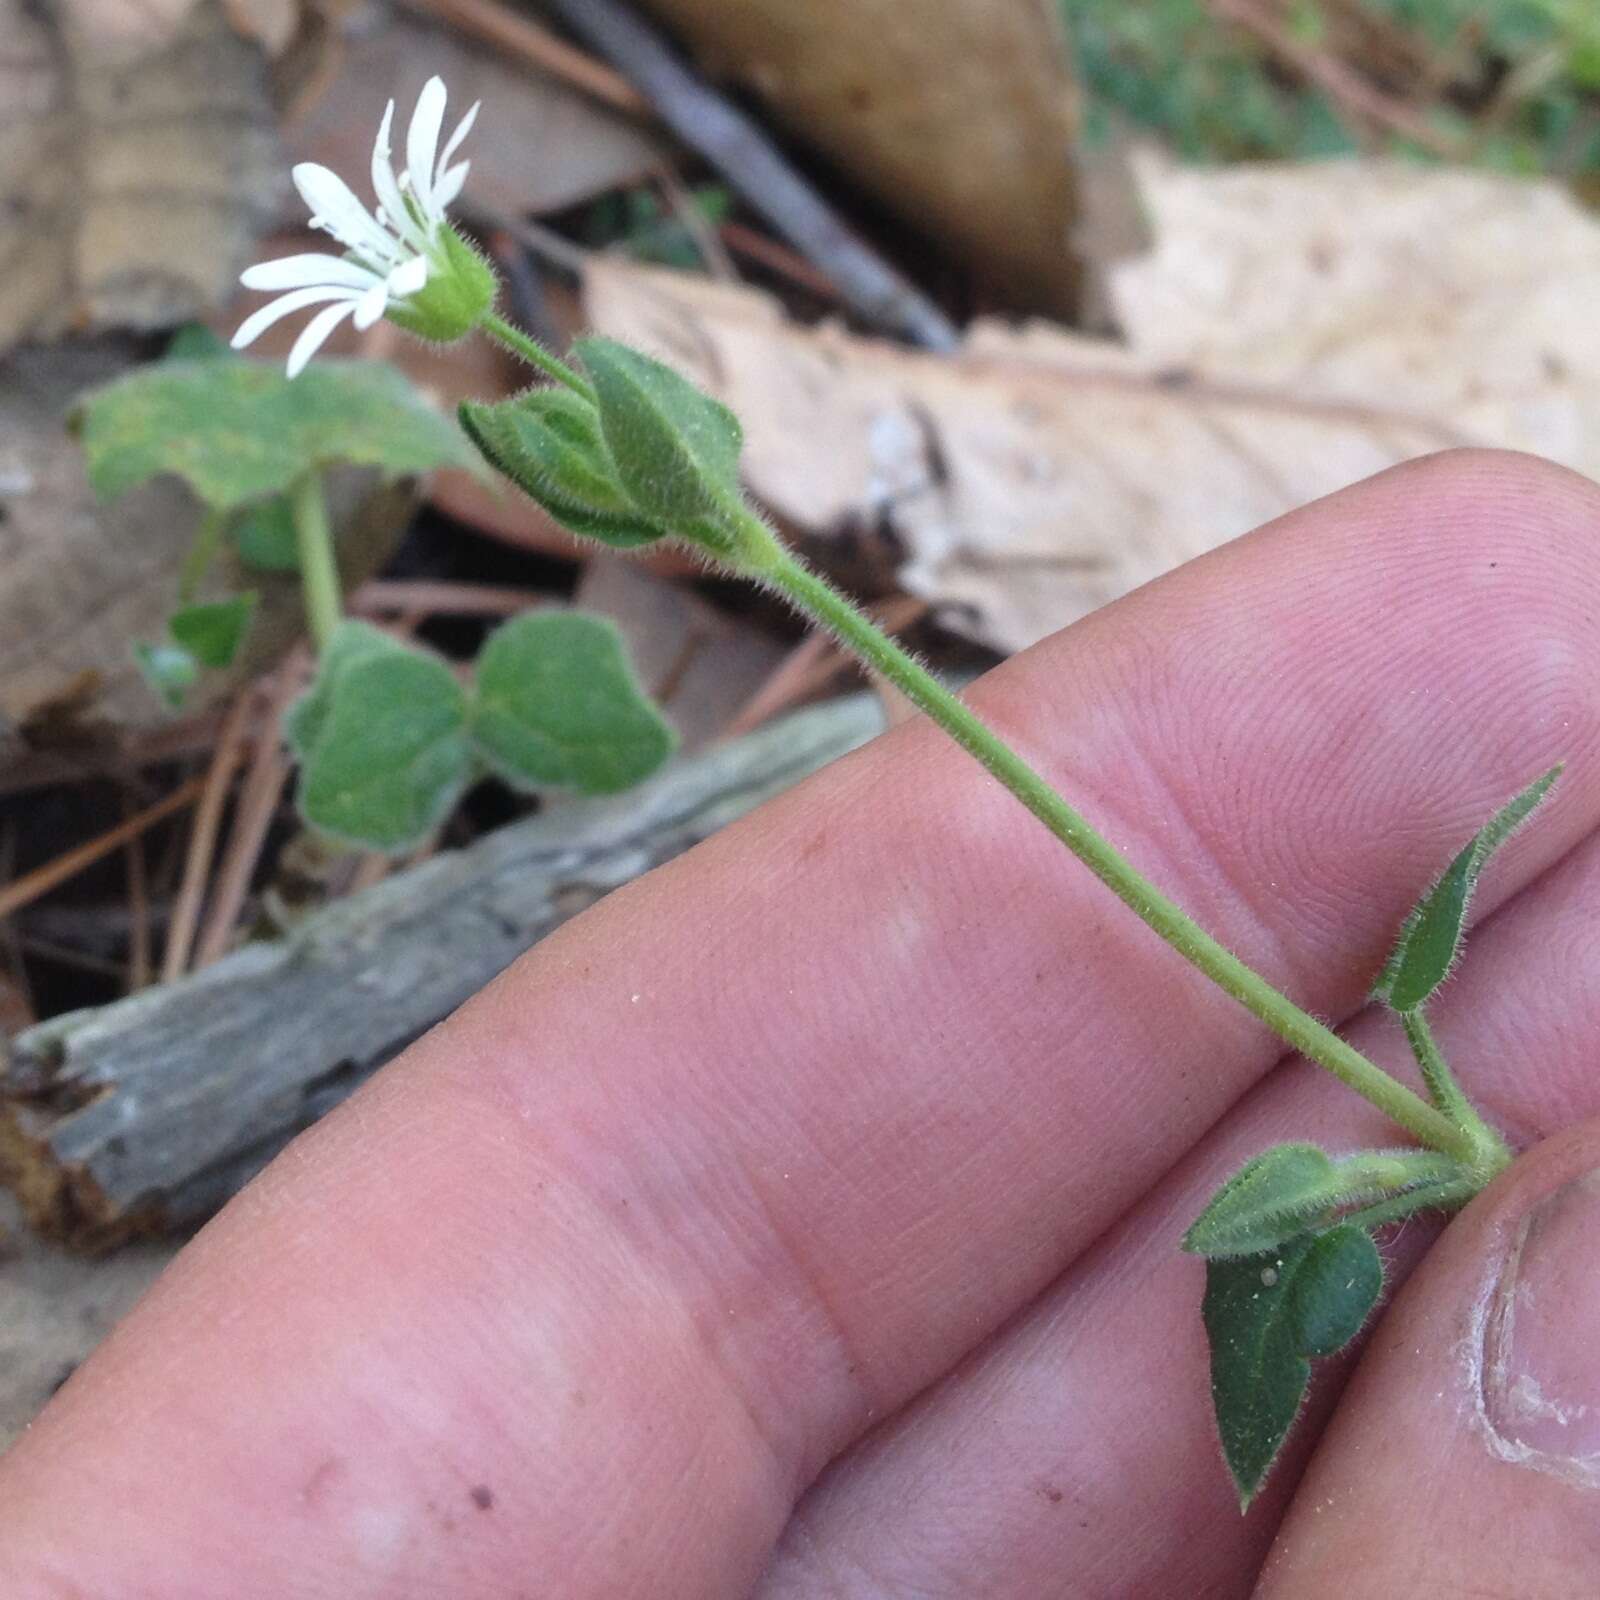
(556, 705)
(461, 287)
(169, 669)
(1430, 940)
(548, 442)
(676, 449)
(213, 630)
(382, 738)
(1266, 1316)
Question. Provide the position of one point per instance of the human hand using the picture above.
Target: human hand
(803, 1220)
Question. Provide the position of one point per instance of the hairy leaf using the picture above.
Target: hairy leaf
(676, 449)
(238, 431)
(557, 705)
(350, 642)
(1266, 1315)
(1431, 938)
(390, 755)
(548, 442)
(212, 631)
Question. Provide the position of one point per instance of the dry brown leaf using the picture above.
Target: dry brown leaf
(80, 581)
(959, 114)
(1027, 480)
(1463, 296)
(133, 177)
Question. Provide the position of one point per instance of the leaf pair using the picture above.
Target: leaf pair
(388, 739)
(206, 634)
(648, 456)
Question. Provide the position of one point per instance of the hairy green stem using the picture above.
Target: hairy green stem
(1444, 1089)
(762, 558)
(319, 574)
(1446, 1196)
(201, 554)
(534, 353)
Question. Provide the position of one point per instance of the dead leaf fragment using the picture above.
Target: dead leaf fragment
(133, 179)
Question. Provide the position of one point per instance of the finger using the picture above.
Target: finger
(1465, 1458)
(637, 1266)
(1075, 1454)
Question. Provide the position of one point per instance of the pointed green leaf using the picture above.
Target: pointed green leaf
(239, 431)
(390, 755)
(169, 669)
(265, 538)
(1265, 1316)
(350, 642)
(213, 630)
(548, 443)
(1431, 938)
(557, 705)
(1266, 1202)
(676, 449)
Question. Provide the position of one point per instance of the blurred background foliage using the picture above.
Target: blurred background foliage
(1512, 85)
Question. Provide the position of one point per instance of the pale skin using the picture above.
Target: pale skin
(803, 1220)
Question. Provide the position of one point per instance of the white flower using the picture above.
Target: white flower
(391, 254)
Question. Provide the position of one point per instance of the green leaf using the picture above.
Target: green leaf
(548, 442)
(557, 705)
(1292, 1187)
(194, 341)
(676, 449)
(238, 430)
(264, 536)
(1266, 1315)
(169, 669)
(350, 641)
(1431, 938)
(213, 631)
(390, 756)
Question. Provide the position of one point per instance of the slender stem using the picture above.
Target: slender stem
(201, 554)
(1430, 1197)
(1442, 1086)
(820, 600)
(319, 575)
(534, 353)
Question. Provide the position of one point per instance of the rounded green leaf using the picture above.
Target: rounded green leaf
(169, 669)
(350, 642)
(212, 631)
(390, 755)
(265, 538)
(238, 431)
(556, 705)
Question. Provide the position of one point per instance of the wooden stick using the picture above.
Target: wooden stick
(203, 838)
(392, 596)
(43, 879)
(522, 37)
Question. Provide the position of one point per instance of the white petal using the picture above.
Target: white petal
(422, 140)
(409, 278)
(334, 207)
(463, 128)
(295, 272)
(392, 213)
(448, 185)
(315, 334)
(370, 306)
(258, 322)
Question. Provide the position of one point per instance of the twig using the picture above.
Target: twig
(521, 36)
(45, 878)
(388, 596)
(694, 222)
(258, 800)
(203, 838)
(779, 257)
(1340, 83)
(743, 154)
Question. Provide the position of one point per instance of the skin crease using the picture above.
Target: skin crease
(801, 1219)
